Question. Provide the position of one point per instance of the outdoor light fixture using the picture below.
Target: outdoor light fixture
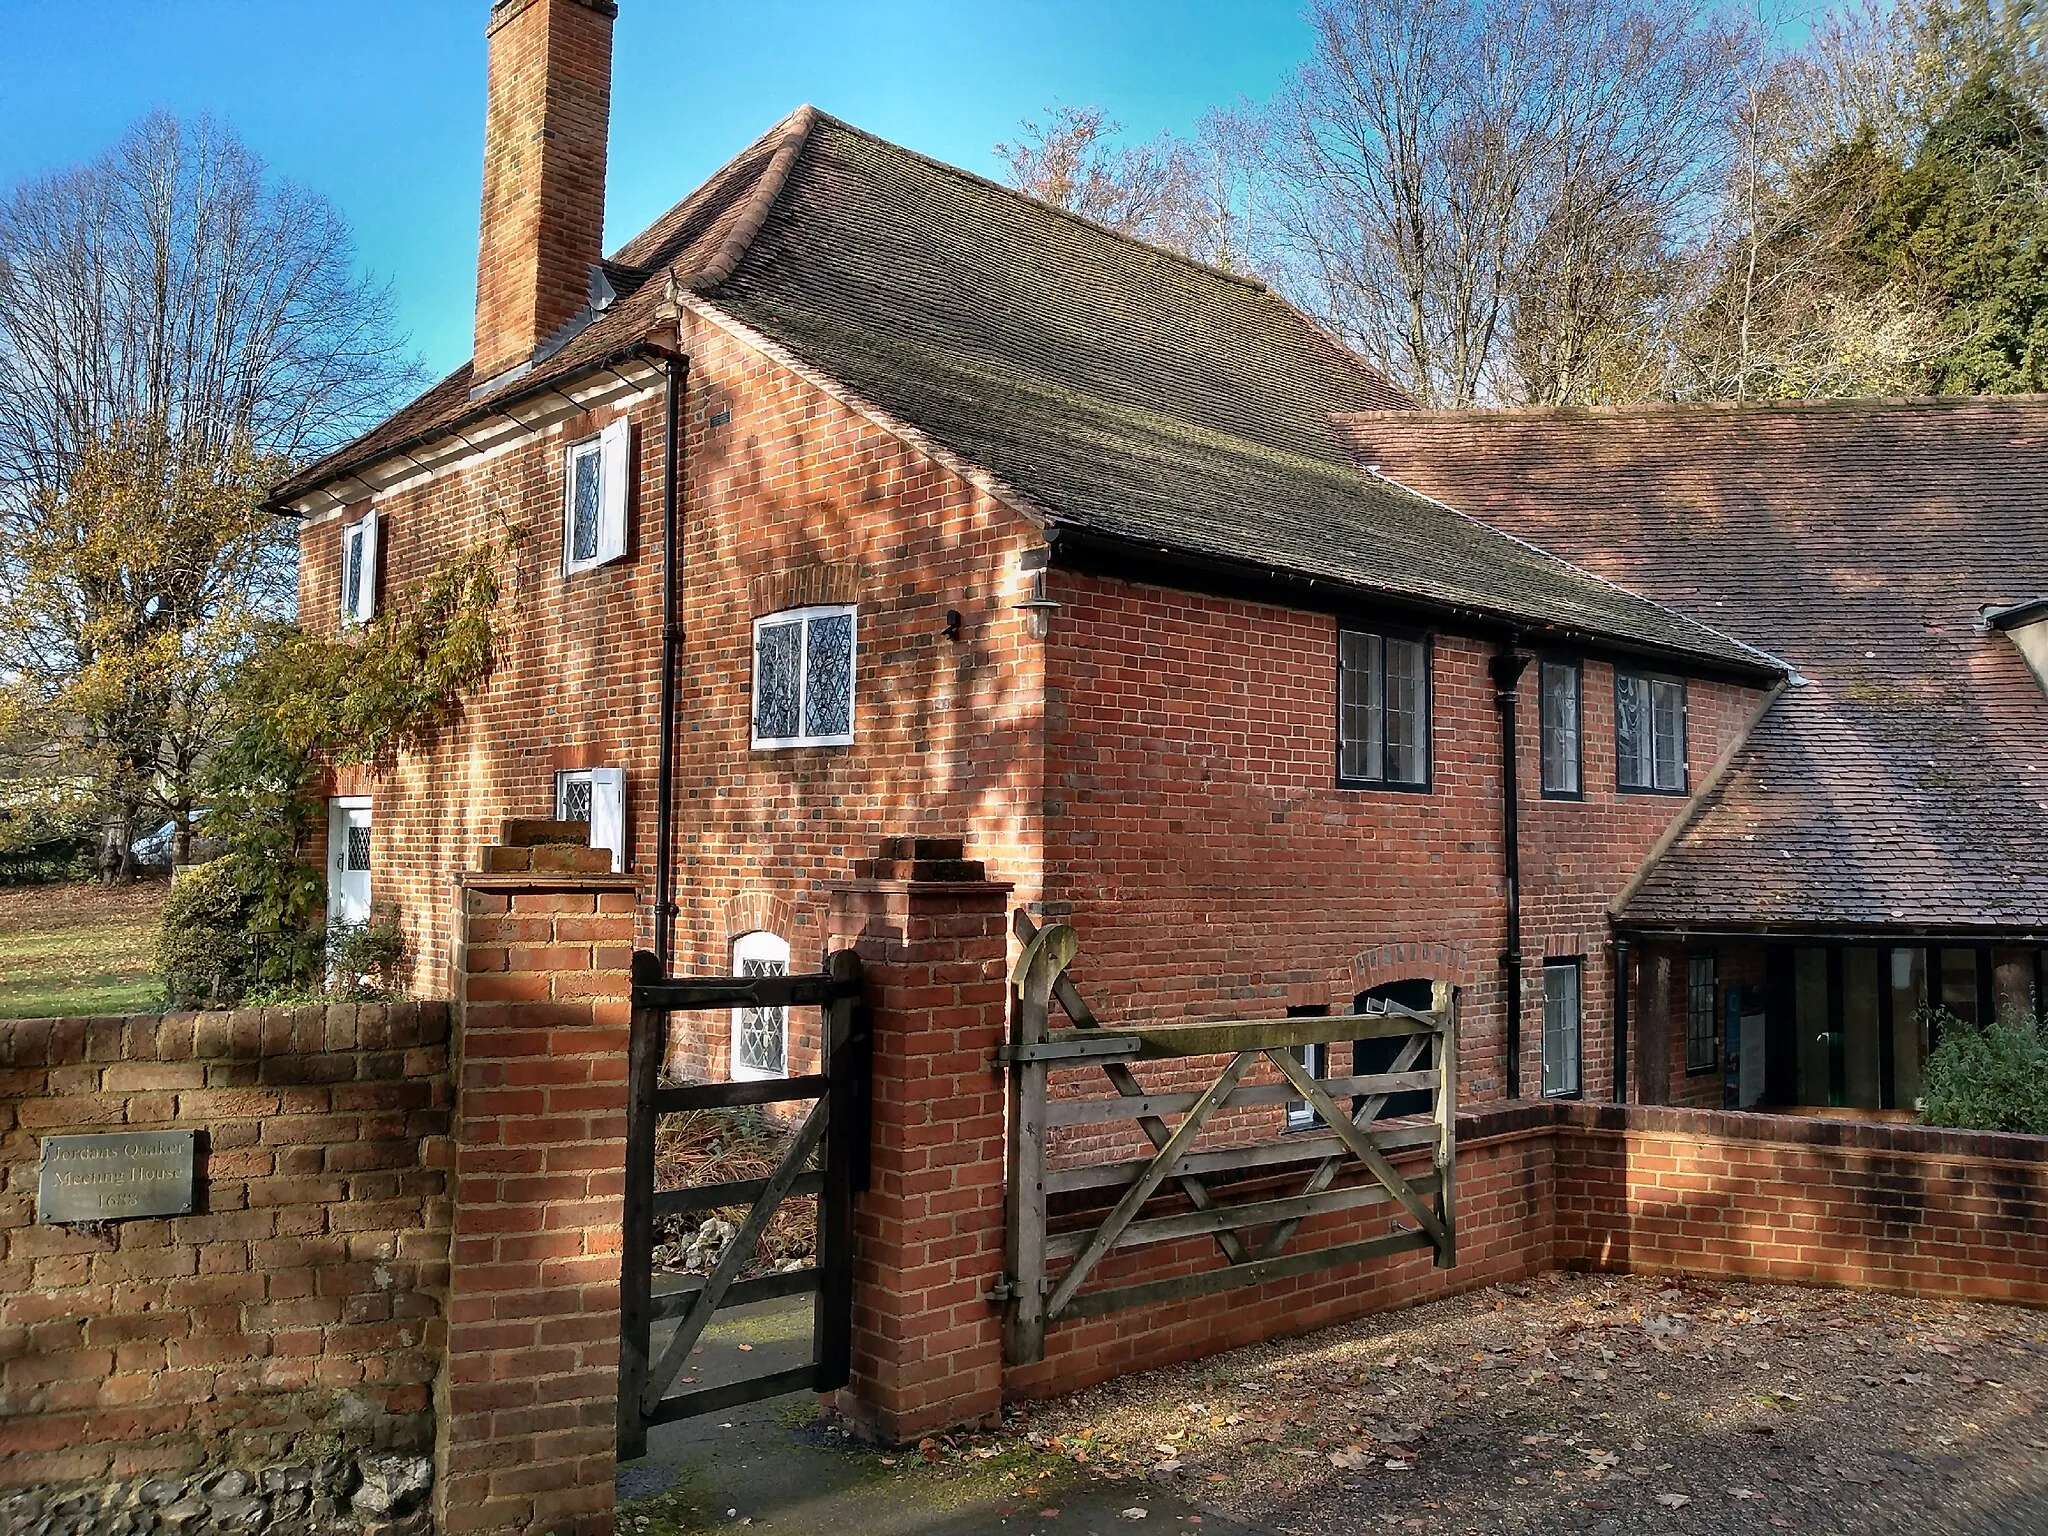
(952, 623)
(1038, 609)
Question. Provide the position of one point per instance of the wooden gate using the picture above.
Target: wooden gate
(1425, 1059)
(826, 1157)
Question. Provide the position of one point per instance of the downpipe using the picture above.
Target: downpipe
(1506, 670)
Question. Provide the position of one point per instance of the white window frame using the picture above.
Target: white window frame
(1554, 1084)
(804, 617)
(607, 807)
(359, 553)
(1301, 1115)
(760, 945)
(338, 808)
(611, 447)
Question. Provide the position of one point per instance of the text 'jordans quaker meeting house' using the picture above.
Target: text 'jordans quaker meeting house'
(862, 497)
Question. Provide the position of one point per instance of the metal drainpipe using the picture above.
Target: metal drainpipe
(1506, 670)
(665, 908)
(1620, 1020)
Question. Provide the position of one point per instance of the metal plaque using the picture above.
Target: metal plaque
(117, 1175)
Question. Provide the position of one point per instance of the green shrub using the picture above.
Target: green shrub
(363, 958)
(220, 944)
(1990, 1079)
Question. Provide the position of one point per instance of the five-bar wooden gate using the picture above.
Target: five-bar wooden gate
(833, 1136)
(1426, 1059)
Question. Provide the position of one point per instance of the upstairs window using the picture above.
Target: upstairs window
(1649, 733)
(1382, 710)
(598, 796)
(1701, 994)
(359, 570)
(594, 500)
(803, 678)
(1558, 684)
(760, 1036)
(1561, 1078)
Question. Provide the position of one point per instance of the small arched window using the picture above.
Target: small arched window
(760, 1036)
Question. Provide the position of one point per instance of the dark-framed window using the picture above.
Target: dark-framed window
(1649, 733)
(1702, 1012)
(1383, 709)
(1560, 683)
(1562, 1077)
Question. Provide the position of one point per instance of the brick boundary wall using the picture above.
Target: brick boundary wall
(299, 1305)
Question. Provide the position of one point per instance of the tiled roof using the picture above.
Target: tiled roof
(1117, 388)
(1906, 783)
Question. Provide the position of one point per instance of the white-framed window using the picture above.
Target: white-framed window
(594, 499)
(1300, 1115)
(1649, 733)
(348, 859)
(598, 796)
(1560, 1028)
(1382, 710)
(760, 1036)
(359, 569)
(1558, 684)
(803, 677)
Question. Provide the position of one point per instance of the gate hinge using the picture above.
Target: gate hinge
(1002, 1292)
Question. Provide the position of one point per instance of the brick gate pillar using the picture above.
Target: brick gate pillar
(528, 1390)
(927, 1343)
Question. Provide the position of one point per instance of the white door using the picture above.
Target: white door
(348, 859)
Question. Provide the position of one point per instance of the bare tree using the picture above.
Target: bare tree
(1452, 184)
(174, 326)
(1168, 192)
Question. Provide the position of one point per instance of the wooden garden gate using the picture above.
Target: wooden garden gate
(1253, 1233)
(826, 1157)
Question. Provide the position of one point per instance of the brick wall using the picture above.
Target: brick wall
(304, 1295)
(794, 493)
(1197, 841)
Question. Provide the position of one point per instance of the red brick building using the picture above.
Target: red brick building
(942, 510)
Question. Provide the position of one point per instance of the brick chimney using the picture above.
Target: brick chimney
(548, 106)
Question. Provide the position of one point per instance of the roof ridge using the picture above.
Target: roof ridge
(796, 131)
(1657, 408)
(1257, 284)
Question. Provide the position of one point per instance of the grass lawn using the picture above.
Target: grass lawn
(78, 949)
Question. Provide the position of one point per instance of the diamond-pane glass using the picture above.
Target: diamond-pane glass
(586, 494)
(828, 679)
(778, 656)
(358, 855)
(575, 799)
(352, 573)
(761, 1031)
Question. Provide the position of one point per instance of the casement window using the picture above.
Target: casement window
(1300, 1115)
(594, 499)
(760, 1036)
(598, 796)
(1649, 733)
(359, 570)
(1560, 1028)
(1558, 685)
(1702, 995)
(803, 678)
(1382, 710)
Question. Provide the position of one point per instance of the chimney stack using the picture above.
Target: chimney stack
(546, 117)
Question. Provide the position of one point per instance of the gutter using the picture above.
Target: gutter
(1084, 549)
(279, 500)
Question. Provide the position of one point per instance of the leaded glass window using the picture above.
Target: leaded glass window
(803, 678)
(1649, 733)
(572, 796)
(1559, 707)
(1382, 709)
(1701, 1013)
(351, 572)
(760, 1036)
(586, 499)
(357, 855)
(1560, 1028)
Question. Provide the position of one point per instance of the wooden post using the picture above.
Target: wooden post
(636, 1249)
(1445, 999)
(845, 1149)
(1037, 971)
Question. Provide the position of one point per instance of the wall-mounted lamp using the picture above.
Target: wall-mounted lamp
(1038, 609)
(952, 623)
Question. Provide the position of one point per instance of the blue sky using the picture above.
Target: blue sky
(379, 103)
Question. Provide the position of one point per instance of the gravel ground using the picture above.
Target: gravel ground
(1593, 1404)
